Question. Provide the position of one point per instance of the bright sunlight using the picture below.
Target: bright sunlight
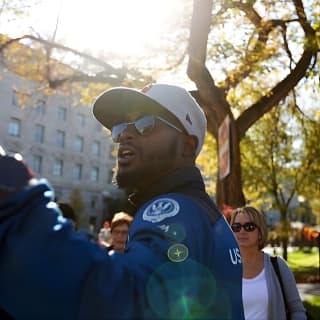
(124, 27)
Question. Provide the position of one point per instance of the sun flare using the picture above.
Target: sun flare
(125, 27)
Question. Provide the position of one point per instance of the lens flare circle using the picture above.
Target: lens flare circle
(186, 290)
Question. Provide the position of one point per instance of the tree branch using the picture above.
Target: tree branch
(267, 102)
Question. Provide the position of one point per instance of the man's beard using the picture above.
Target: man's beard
(141, 178)
(127, 181)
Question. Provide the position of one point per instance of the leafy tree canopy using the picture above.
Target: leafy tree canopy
(280, 157)
(245, 58)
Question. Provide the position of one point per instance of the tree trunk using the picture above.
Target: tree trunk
(229, 189)
(284, 233)
(285, 248)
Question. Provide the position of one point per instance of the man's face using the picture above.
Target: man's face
(142, 159)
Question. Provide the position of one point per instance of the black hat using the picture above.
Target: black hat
(14, 174)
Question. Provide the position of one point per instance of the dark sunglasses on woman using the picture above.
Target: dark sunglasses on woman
(248, 226)
(143, 125)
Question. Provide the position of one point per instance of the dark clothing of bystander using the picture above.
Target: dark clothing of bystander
(48, 271)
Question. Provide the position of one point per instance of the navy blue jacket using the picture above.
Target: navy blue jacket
(182, 260)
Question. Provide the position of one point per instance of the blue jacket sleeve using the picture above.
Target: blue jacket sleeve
(177, 264)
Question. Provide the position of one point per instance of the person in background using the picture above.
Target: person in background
(182, 260)
(261, 289)
(119, 229)
(118, 233)
(104, 235)
(68, 213)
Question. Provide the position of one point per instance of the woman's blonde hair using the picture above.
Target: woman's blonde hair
(256, 217)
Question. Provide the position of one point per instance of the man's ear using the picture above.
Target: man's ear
(190, 146)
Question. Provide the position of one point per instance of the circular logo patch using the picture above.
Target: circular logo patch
(178, 252)
(161, 209)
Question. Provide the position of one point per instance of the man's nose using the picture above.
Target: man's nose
(128, 133)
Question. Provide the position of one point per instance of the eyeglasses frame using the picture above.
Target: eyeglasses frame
(156, 117)
(246, 224)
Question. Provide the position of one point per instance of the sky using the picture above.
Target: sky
(123, 26)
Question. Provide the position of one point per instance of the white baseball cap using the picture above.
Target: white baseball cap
(117, 104)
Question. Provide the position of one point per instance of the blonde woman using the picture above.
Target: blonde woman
(261, 290)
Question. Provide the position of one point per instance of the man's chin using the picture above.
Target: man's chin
(133, 180)
(126, 180)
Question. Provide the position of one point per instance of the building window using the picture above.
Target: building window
(77, 171)
(60, 138)
(58, 168)
(37, 163)
(94, 174)
(15, 100)
(14, 128)
(96, 148)
(94, 201)
(40, 109)
(78, 144)
(38, 133)
(81, 119)
(62, 114)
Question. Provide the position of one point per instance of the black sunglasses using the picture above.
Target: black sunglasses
(143, 125)
(248, 226)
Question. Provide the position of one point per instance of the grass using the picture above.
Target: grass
(305, 265)
(313, 307)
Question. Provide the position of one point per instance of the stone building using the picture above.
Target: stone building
(61, 141)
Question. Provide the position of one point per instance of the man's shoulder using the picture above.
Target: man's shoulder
(171, 204)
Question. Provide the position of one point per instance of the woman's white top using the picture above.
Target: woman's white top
(255, 297)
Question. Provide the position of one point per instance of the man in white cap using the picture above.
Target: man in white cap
(181, 260)
(192, 257)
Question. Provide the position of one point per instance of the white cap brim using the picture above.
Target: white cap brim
(118, 104)
(122, 104)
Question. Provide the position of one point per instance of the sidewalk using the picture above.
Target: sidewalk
(308, 290)
(276, 250)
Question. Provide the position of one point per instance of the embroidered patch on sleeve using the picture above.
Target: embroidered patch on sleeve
(178, 252)
(161, 209)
